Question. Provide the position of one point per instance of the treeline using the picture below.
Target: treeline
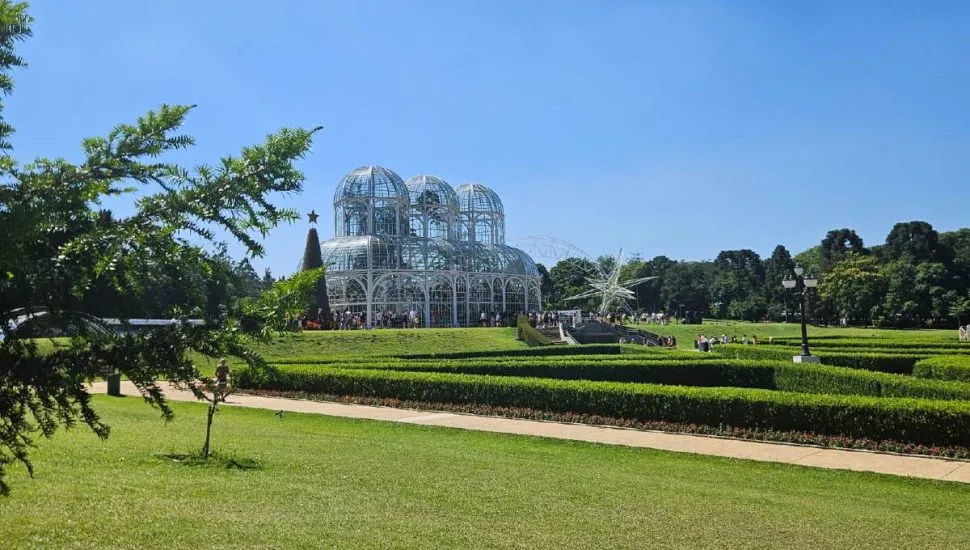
(201, 292)
(916, 278)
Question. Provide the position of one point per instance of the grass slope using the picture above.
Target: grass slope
(392, 342)
(357, 484)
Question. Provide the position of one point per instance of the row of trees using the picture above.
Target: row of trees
(203, 290)
(917, 277)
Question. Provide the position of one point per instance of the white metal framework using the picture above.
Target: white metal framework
(422, 246)
(607, 286)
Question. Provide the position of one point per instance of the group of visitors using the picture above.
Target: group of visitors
(387, 318)
(651, 319)
(703, 343)
(491, 319)
(543, 319)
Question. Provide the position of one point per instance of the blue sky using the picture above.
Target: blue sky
(675, 128)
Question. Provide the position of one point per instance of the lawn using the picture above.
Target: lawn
(354, 483)
(393, 342)
(686, 334)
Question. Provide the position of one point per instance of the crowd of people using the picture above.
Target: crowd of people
(350, 320)
(703, 343)
(543, 319)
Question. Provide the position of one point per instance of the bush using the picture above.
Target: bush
(588, 352)
(878, 343)
(528, 334)
(944, 367)
(902, 419)
(699, 372)
(899, 363)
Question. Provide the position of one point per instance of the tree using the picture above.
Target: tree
(53, 254)
(777, 267)
(933, 285)
(739, 274)
(313, 259)
(569, 279)
(246, 281)
(960, 308)
(901, 305)
(606, 263)
(267, 280)
(855, 286)
(686, 286)
(955, 246)
(912, 242)
(649, 294)
(546, 286)
(839, 242)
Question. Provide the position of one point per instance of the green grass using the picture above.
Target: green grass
(686, 334)
(392, 342)
(355, 484)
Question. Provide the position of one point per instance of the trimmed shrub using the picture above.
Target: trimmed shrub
(944, 367)
(880, 343)
(713, 372)
(901, 419)
(528, 334)
(884, 362)
(593, 352)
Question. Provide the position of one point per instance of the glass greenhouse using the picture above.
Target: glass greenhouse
(420, 245)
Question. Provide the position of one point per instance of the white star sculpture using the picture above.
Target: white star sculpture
(608, 286)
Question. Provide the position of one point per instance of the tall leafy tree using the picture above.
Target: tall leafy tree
(686, 286)
(956, 249)
(912, 242)
(738, 280)
(854, 286)
(839, 242)
(546, 285)
(777, 267)
(902, 304)
(54, 251)
(569, 279)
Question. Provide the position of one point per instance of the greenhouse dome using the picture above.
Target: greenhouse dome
(425, 249)
(371, 200)
(481, 216)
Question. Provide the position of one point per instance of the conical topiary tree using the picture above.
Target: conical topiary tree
(312, 259)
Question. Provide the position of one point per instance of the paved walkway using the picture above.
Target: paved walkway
(911, 466)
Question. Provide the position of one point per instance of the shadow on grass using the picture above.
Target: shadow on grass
(215, 460)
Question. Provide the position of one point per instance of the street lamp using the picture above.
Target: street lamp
(802, 283)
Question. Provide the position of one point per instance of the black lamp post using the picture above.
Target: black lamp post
(801, 283)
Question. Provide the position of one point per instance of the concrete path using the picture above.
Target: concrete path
(911, 466)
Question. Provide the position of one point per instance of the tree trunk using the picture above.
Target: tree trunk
(208, 430)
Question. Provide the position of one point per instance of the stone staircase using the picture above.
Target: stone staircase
(552, 333)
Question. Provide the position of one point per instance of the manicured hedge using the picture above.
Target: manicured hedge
(594, 352)
(895, 363)
(714, 372)
(590, 349)
(911, 352)
(901, 419)
(529, 334)
(944, 367)
(876, 343)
